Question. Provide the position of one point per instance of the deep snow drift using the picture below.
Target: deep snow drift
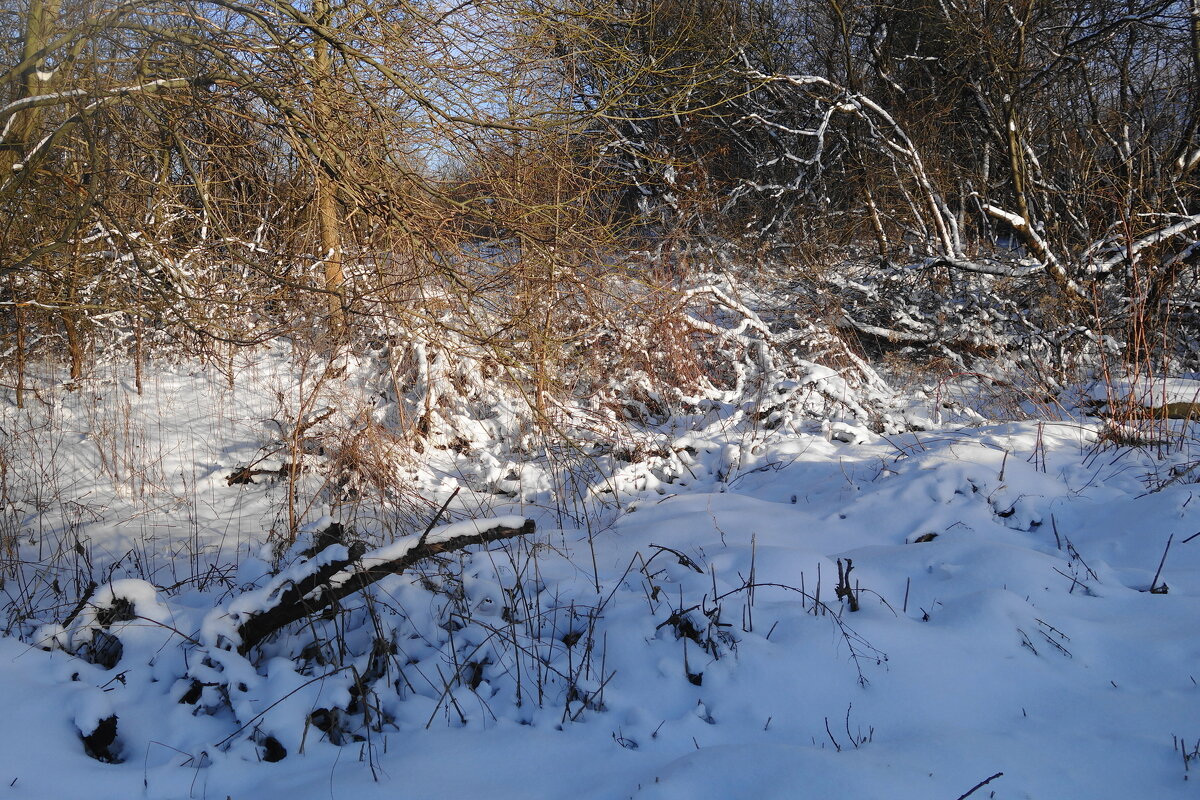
(674, 628)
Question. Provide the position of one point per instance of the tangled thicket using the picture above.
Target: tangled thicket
(565, 205)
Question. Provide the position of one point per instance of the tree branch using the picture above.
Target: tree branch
(340, 578)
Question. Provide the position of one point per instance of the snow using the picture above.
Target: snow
(676, 635)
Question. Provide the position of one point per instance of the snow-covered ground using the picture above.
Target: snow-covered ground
(681, 637)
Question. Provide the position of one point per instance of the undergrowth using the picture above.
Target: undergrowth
(379, 436)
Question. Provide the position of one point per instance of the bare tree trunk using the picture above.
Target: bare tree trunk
(328, 222)
(19, 320)
(1189, 156)
(328, 216)
(74, 344)
(39, 25)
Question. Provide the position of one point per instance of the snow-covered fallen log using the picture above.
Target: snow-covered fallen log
(337, 572)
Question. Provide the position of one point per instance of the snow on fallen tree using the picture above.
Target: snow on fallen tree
(125, 623)
(335, 573)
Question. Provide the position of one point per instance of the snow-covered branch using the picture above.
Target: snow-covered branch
(96, 99)
(1149, 240)
(338, 572)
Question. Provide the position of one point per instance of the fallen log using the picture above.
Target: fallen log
(339, 577)
(1131, 410)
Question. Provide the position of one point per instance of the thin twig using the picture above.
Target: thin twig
(980, 785)
(1162, 561)
(433, 522)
